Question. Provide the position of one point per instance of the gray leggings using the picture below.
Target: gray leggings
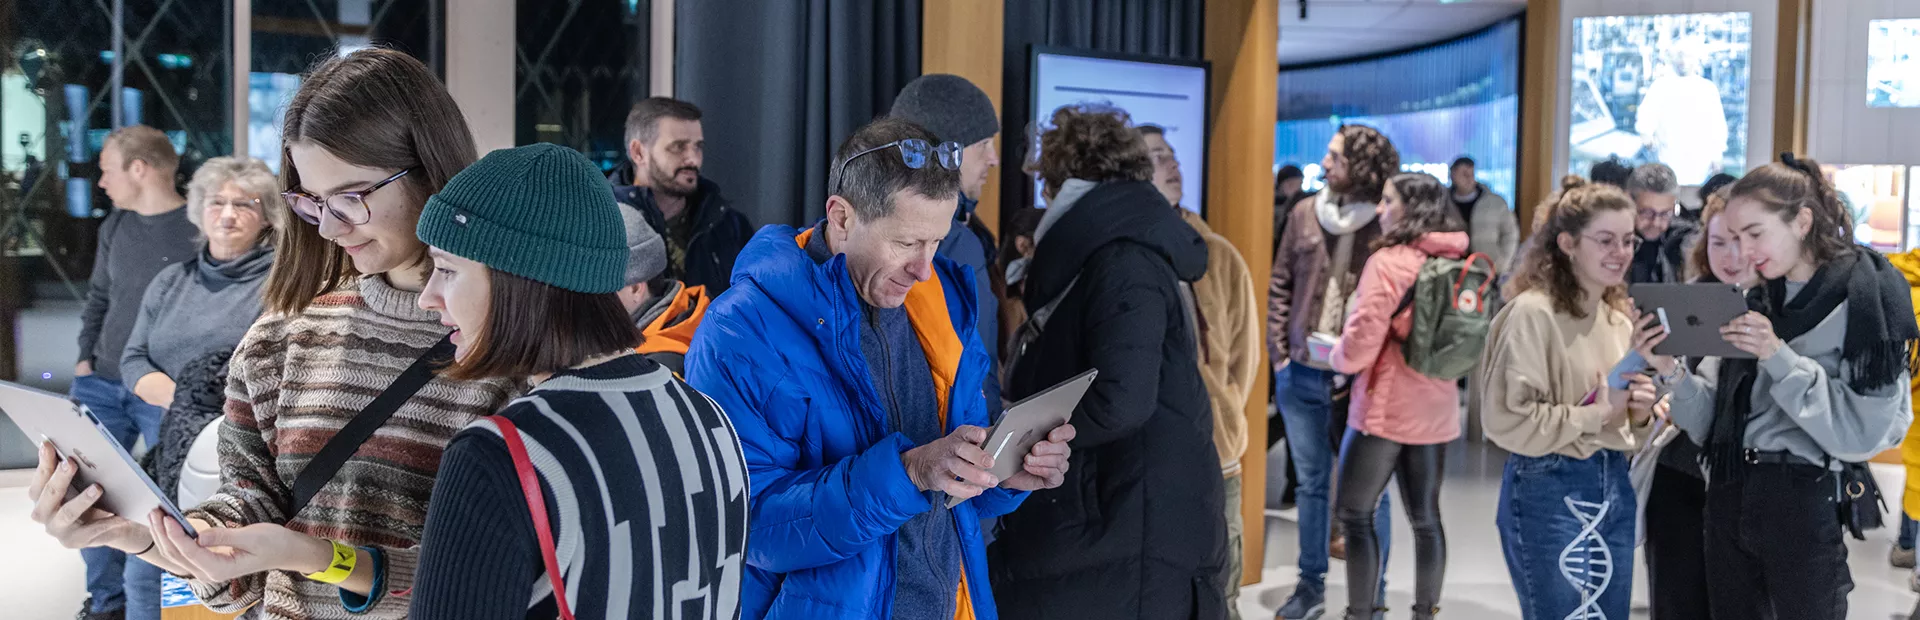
(1366, 462)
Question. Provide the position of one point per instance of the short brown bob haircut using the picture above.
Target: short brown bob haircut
(536, 328)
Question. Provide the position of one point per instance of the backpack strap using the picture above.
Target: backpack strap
(536, 508)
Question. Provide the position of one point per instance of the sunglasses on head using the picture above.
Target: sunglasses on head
(915, 153)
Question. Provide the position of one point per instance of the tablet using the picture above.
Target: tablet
(1027, 423)
(1693, 314)
(79, 437)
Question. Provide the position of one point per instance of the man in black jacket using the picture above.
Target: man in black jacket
(1136, 529)
(666, 146)
(1655, 195)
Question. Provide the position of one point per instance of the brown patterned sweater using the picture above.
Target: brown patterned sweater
(295, 381)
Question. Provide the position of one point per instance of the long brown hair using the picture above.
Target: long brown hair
(1786, 188)
(376, 108)
(1545, 266)
(1699, 266)
(533, 327)
(1424, 209)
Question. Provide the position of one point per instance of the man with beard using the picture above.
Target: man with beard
(1328, 239)
(665, 144)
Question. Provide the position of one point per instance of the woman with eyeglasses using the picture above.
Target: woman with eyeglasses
(1788, 427)
(368, 137)
(1567, 510)
(1141, 504)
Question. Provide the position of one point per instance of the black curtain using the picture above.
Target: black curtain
(1165, 28)
(781, 84)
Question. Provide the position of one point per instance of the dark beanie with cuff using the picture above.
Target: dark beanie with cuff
(949, 106)
(542, 212)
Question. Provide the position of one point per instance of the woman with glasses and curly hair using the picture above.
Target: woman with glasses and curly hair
(1141, 501)
(1566, 512)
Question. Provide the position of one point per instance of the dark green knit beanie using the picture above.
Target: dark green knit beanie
(541, 212)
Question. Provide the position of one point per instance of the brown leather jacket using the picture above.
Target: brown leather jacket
(1299, 274)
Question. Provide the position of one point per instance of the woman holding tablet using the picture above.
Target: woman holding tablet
(1396, 430)
(368, 137)
(1832, 337)
(531, 296)
(1676, 505)
(1566, 514)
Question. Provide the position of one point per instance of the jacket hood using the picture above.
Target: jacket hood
(1448, 244)
(1126, 211)
(672, 323)
(706, 201)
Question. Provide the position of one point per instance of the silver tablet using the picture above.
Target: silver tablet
(1693, 314)
(1027, 423)
(79, 438)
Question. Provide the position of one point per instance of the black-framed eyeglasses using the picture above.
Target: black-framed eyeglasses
(914, 152)
(348, 207)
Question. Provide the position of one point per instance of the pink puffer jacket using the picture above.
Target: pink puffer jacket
(1390, 400)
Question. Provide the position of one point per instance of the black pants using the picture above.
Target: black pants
(1775, 548)
(1676, 552)
(1366, 462)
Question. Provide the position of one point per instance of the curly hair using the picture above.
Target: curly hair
(1095, 142)
(1547, 267)
(1699, 267)
(1788, 187)
(1371, 160)
(1424, 208)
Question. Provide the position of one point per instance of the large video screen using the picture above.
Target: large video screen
(1661, 88)
(1169, 94)
(1436, 104)
(1893, 63)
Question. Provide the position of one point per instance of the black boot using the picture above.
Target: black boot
(1425, 612)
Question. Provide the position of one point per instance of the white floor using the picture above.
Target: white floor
(1477, 586)
(41, 581)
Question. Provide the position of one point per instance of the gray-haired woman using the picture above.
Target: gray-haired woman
(197, 308)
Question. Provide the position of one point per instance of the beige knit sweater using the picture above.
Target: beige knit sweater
(295, 381)
(1538, 366)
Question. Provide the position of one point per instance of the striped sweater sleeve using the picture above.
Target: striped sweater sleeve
(251, 489)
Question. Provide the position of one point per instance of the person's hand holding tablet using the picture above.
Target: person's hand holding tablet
(75, 522)
(224, 554)
(1648, 333)
(1752, 332)
(1046, 464)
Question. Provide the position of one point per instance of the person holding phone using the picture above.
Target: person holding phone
(1567, 508)
(369, 136)
(1832, 335)
(1401, 419)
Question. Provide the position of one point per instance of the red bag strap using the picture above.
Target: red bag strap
(537, 508)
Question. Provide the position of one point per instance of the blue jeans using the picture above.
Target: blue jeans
(143, 590)
(129, 419)
(1306, 408)
(1908, 528)
(1566, 527)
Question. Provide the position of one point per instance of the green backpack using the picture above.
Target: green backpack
(1453, 302)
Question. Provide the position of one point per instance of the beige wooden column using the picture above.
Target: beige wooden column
(964, 38)
(480, 69)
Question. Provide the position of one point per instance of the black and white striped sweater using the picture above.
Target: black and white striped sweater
(645, 488)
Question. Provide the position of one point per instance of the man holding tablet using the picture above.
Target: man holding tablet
(848, 359)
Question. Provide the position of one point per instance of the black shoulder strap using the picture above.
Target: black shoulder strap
(1406, 301)
(345, 443)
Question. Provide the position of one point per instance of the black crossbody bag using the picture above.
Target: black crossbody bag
(331, 457)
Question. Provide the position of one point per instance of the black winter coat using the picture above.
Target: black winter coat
(719, 233)
(1136, 531)
(199, 399)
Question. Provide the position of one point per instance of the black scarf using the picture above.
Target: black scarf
(1879, 344)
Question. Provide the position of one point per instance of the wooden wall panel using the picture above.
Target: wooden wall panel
(964, 38)
(1539, 88)
(1242, 37)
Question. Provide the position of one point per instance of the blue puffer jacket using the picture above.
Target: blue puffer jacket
(780, 352)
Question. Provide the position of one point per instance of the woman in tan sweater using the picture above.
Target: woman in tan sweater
(1566, 513)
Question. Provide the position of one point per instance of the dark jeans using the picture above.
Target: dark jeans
(1908, 528)
(1775, 548)
(129, 419)
(1306, 407)
(1566, 527)
(1676, 547)
(1366, 462)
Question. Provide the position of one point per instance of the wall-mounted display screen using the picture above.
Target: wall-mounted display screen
(1876, 197)
(1435, 103)
(1661, 88)
(1169, 94)
(1893, 63)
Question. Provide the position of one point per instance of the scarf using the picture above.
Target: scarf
(1062, 202)
(1342, 219)
(1879, 344)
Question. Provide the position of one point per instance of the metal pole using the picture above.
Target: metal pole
(119, 58)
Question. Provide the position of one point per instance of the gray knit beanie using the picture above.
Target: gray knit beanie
(949, 106)
(646, 251)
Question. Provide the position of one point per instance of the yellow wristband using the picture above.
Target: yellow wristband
(344, 556)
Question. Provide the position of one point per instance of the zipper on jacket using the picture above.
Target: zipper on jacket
(886, 353)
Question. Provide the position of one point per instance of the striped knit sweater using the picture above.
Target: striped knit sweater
(293, 383)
